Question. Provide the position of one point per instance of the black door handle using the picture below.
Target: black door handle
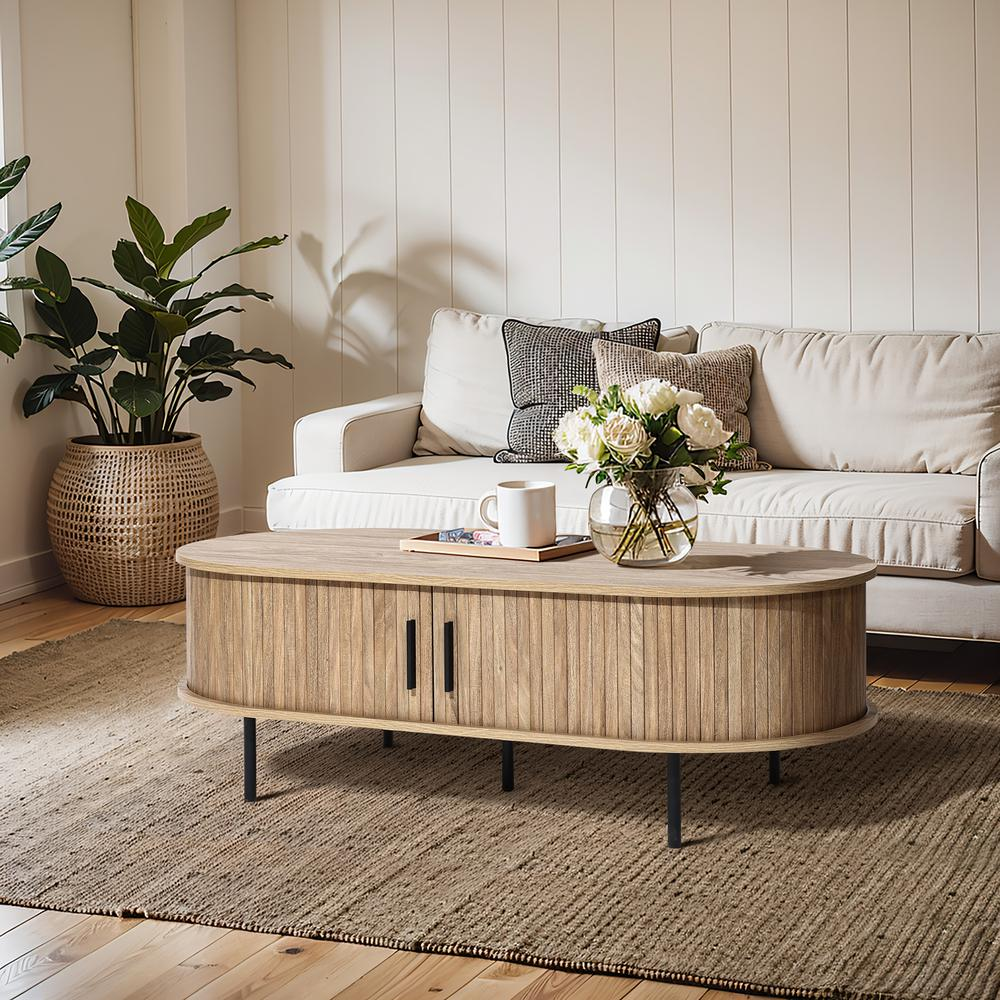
(411, 654)
(449, 656)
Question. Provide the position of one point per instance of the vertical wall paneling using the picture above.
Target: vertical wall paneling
(813, 162)
(987, 14)
(819, 186)
(262, 67)
(587, 158)
(945, 272)
(644, 161)
(881, 205)
(478, 196)
(315, 201)
(761, 235)
(703, 223)
(368, 289)
(531, 112)
(423, 192)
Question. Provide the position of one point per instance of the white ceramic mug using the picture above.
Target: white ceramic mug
(525, 513)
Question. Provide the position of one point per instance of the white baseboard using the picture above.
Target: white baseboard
(254, 519)
(28, 575)
(230, 522)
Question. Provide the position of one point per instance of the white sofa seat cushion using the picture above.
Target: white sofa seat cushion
(434, 491)
(915, 525)
(910, 524)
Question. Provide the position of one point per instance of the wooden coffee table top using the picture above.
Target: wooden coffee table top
(373, 556)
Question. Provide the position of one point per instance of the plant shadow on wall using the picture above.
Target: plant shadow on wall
(122, 501)
(366, 303)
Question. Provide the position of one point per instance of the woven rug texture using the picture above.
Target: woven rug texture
(872, 871)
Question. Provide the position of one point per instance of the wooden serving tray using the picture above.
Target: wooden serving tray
(430, 543)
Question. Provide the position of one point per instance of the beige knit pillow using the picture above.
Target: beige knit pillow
(722, 377)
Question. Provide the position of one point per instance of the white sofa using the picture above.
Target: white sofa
(923, 410)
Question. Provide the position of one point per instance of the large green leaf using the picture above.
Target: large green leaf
(20, 283)
(137, 337)
(130, 263)
(208, 346)
(95, 362)
(260, 244)
(189, 236)
(262, 357)
(25, 233)
(73, 319)
(54, 274)
(136, 394)
(194, 321)
(147, 230)
(175, 326)
(205, 391)
(186, 307)
(10, 339)
(230, 372)
(44, 390)
(60, 344)
(137, 301)
(11, 174)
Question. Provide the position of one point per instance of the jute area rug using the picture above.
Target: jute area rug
(872, 871)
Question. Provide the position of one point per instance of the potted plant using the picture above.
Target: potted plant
(124, 499)
(16, 240)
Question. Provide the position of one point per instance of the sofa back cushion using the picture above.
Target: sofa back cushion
(466, 404)
(869, 402)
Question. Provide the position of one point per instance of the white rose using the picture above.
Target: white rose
(702, 427)
(577, 436)
(625, 436)
(657, 396)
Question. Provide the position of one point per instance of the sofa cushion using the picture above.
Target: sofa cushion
(910, 525)
(466, 392)
(875, 402)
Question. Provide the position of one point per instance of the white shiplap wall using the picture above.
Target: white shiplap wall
(812, 162)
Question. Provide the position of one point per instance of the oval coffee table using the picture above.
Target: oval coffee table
(741, 648)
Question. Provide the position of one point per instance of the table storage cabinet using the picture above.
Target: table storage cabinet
(741, 648)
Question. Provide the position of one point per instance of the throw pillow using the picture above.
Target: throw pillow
(722, 377)
(544, 364)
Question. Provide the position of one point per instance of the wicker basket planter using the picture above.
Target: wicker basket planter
(117, 514)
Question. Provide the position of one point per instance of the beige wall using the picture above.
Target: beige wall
(78, 130)
(812, 162)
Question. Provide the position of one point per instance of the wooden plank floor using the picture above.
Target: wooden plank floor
(49, 955)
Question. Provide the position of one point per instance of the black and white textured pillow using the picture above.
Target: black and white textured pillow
(544, 363)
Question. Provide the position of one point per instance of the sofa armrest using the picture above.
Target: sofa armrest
(359, 436)
(988, 516)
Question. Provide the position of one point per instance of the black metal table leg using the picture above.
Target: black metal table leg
(387, 738)
(249, 760)
(507, 765)
(673, 800)
(774, 766)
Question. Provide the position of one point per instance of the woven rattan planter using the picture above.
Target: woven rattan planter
(117, 514)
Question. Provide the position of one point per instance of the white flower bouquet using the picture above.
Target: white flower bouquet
(648, 440)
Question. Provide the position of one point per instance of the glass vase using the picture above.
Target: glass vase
(649, 519)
